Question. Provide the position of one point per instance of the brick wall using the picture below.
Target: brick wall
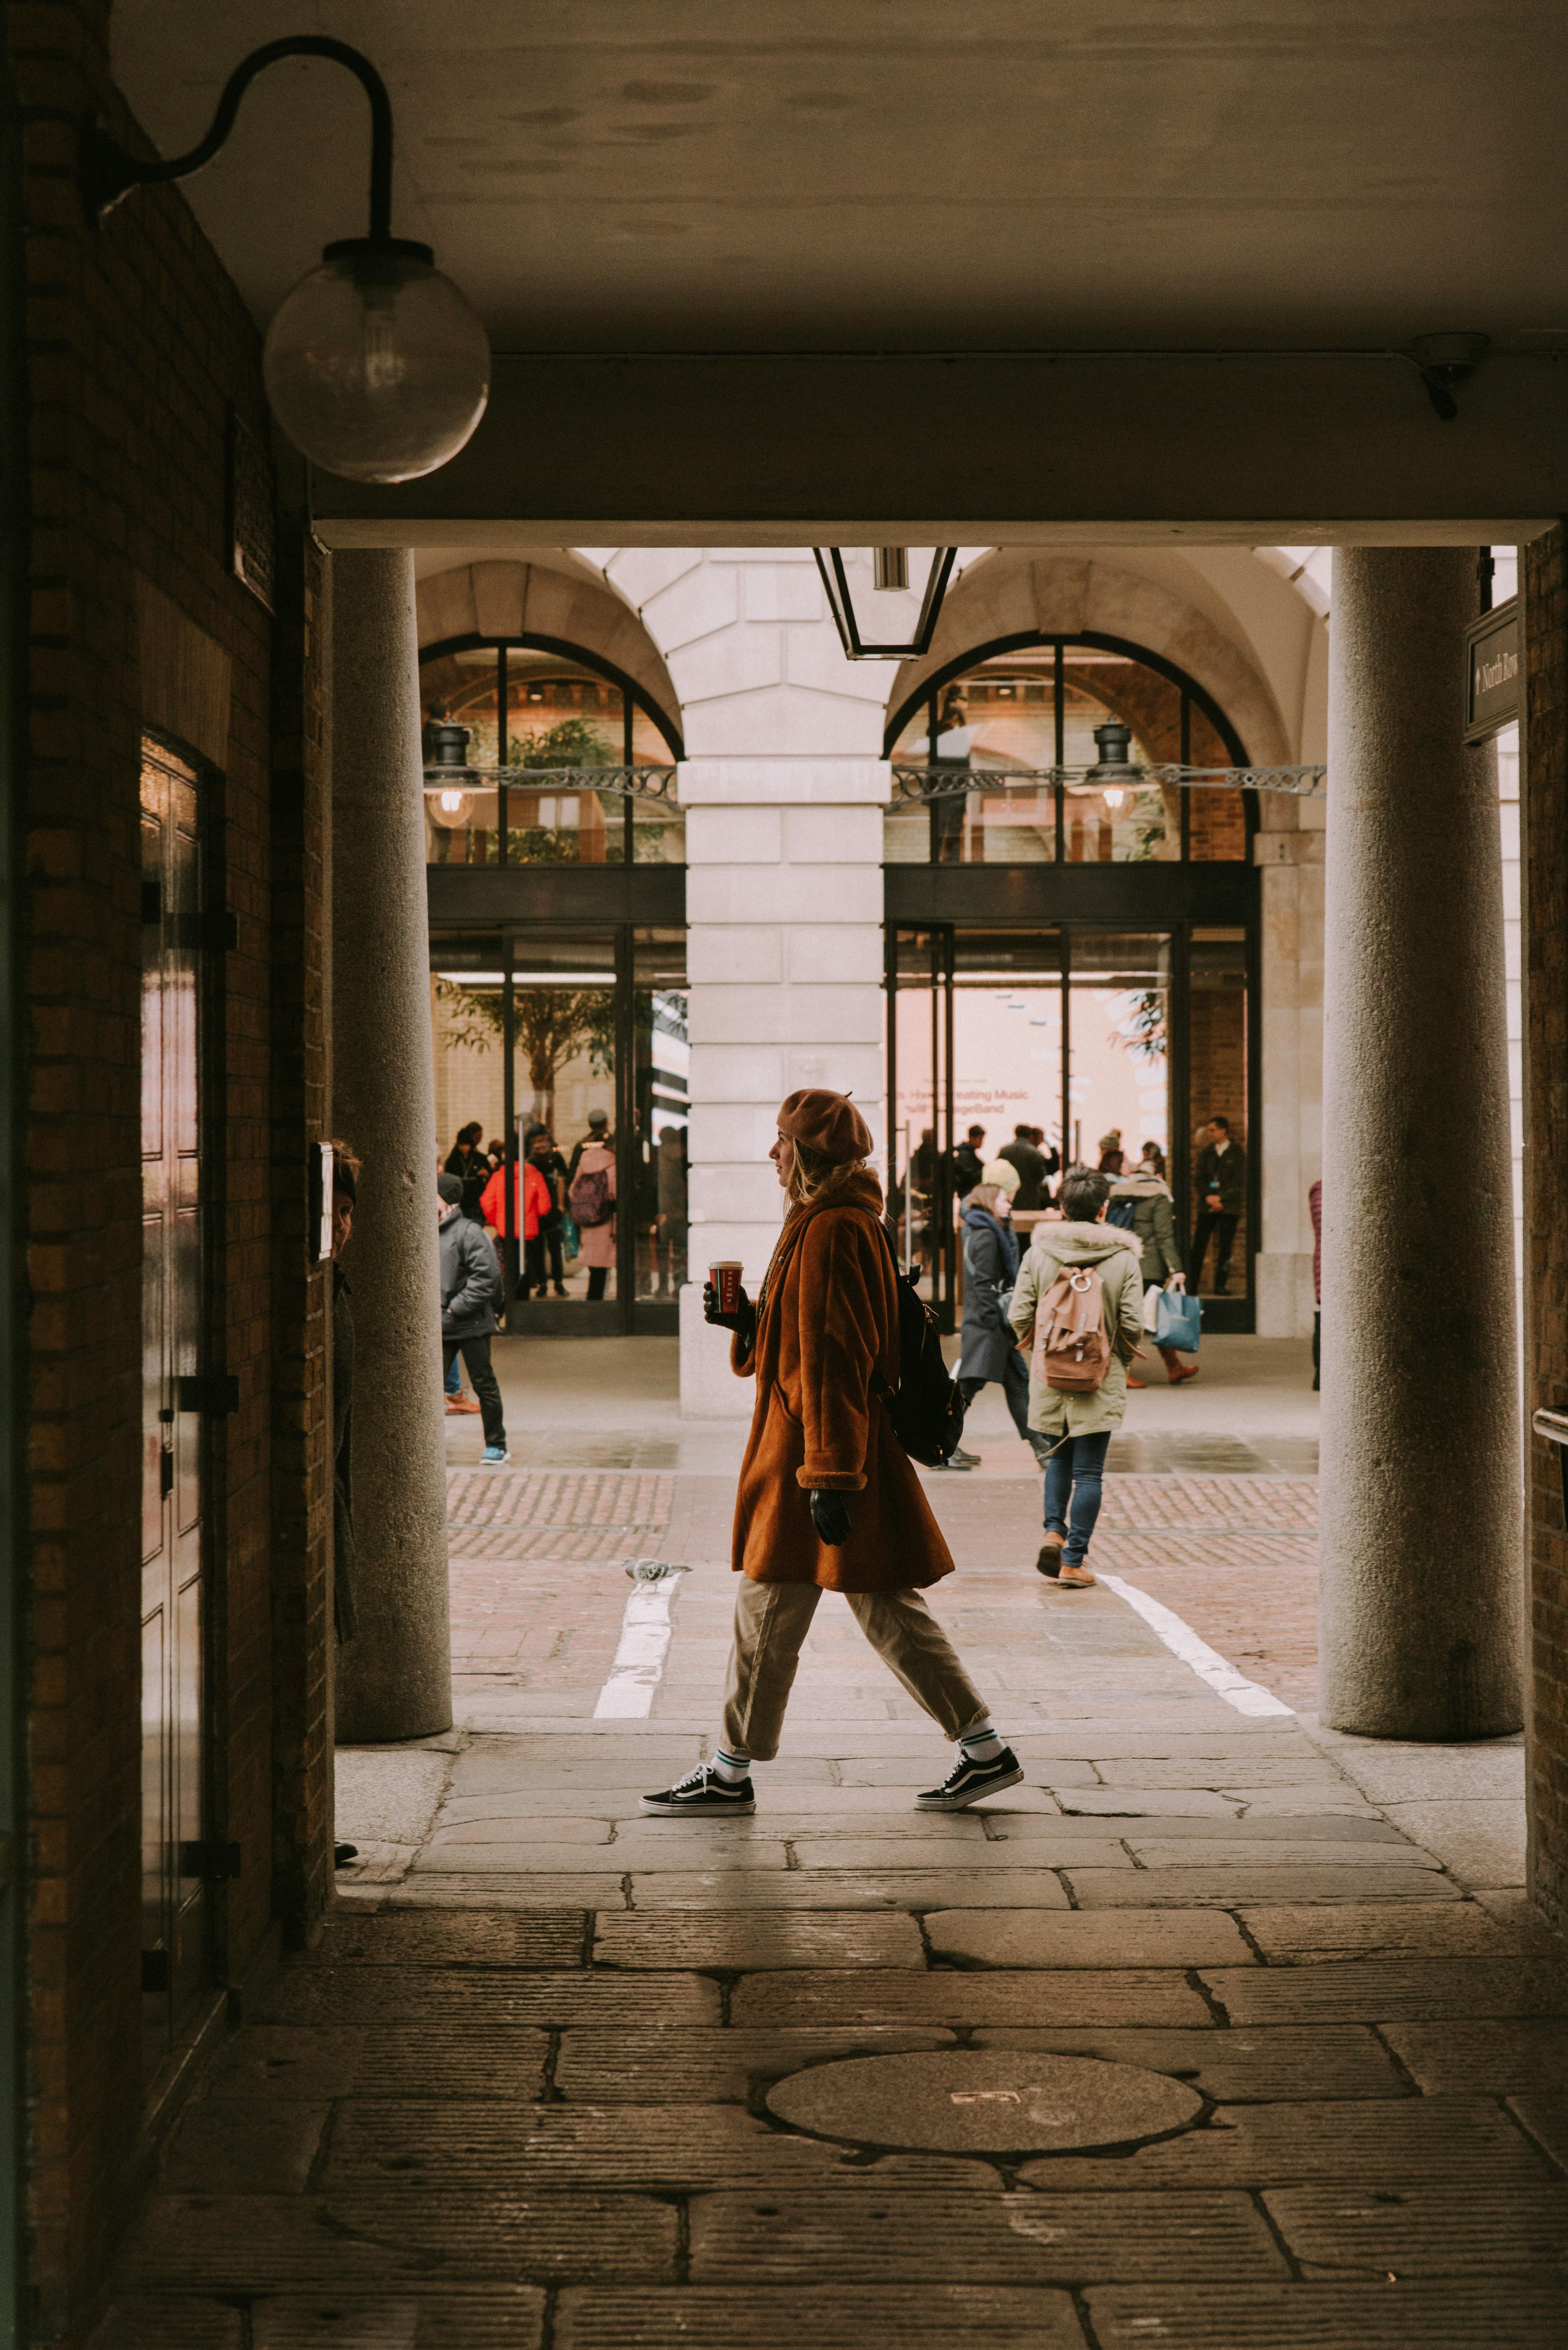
(1545, 586)
(137, 343)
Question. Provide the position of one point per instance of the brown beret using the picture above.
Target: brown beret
(827, 1122)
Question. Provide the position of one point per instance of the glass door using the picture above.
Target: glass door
(1074, 1044)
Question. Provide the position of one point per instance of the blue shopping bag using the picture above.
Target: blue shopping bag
(1177, 1321)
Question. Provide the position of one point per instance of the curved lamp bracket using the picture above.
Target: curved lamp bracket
(107, 171)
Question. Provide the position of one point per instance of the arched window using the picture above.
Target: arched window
(1025, 705)
(535, 703)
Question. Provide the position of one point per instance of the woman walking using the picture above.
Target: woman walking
(1153, 1227)
(828, 1500)
(1079, 1425)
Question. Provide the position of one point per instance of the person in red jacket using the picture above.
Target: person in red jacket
(534, 1204)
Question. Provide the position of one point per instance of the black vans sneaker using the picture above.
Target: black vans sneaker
(703, 1792)
(966, 1781)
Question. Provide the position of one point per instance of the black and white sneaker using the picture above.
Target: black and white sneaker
(966, 1781)
(703, 1794)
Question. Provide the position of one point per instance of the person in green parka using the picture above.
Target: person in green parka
(1154, 1229)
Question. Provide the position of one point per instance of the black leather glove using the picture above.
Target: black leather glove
(742, 1321)
(830, 1516)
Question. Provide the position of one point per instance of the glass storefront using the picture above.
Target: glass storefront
(1096, 1040)
(1037, 708)
(566, 1045)
(529, 712)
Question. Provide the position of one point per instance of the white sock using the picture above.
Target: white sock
(730, 1767)
(981, 1743)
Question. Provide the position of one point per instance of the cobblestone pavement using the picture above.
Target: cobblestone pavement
(516, 2098)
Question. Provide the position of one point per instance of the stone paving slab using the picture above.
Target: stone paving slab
(1456, 2314)
(1264, 1840)
(1299, 1937)
(987, 1851)
(483, 2001)
(1169, 1938)
(230, 2145)
(1546, 2120)
(1142, 1802)
(1274, 1851)
(1288, 2063)
(1133, 1995)
(712, 2067)
(1353, 2141)
(842, 1888)
(645, 2149)
(486, 2318)
(625, 1853)
(1246, 1885)
(170, 2321)
(1477, 2229)
(1391, 1991)
(736, 1940)
(830, 2317)
(1522, 2057)
(472, 1889)
(1019, 2238)
(534, 1938)
(1155, 1767)
(394, 2233)
(301, 2063)
(511, 1828)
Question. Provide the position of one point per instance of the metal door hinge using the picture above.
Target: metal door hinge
(217, 1393)
(210, 1860)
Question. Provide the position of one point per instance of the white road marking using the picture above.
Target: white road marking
(1247, 1697)
(645, 1632)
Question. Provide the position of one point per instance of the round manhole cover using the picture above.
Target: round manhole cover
(985, 2102)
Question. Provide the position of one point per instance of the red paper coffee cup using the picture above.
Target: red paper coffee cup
(725, 1277)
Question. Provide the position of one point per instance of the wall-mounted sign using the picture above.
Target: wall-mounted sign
(1492, 694)
(321, 1202)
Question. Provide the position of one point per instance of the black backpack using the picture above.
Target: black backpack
(927, 1413)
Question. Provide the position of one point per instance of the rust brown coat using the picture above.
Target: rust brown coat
(828, 1320)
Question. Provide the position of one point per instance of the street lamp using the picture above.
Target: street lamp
(377, 367)
(1113, 771)
(889, 575)
(449, 778)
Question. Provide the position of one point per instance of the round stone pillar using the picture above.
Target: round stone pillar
(1420, 1599)
(394, 1678)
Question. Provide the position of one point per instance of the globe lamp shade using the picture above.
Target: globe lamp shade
(377, 367)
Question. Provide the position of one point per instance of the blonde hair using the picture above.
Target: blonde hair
(986, 1196)
(814, 1178)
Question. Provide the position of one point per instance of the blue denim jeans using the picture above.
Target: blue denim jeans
(1073, 1474)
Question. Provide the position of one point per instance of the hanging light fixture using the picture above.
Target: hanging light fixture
(449, 781)
(1113, 772)
(889, 575)
(377, 366)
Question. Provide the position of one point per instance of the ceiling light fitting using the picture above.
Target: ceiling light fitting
(377, 366)
(889, 575)
(1445, 361)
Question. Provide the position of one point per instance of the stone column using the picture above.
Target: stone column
(394, 1680)
(1420, 1600)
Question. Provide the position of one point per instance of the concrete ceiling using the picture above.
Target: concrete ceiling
(800, 175)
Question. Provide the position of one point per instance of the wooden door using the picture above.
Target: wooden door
(174, 1906)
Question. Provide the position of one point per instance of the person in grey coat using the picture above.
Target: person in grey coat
(1153, 1227)
(987, 1348)
(469, 1292)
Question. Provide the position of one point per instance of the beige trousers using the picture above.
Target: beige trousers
(772, 1619)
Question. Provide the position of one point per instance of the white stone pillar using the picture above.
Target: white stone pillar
(394, 1680)
(784, 790)
(1421, 1563)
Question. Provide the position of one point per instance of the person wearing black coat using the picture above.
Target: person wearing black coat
(987, 1348)
(1219, 1180)
(471, 1291)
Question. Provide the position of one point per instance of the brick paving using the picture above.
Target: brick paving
(516, 2099)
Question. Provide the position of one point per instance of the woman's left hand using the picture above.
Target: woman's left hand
(830, 1516)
